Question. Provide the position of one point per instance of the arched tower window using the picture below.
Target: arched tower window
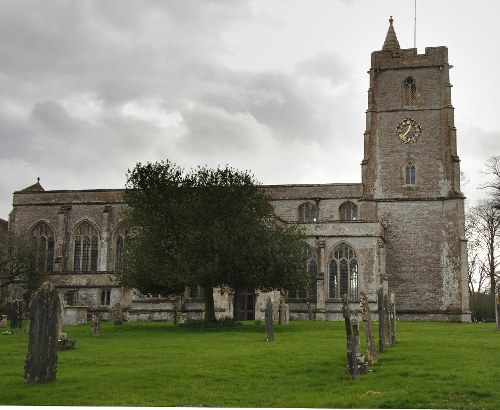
(409, 92)
(410, 174)
(86, 248)
(308, 212)
(312, 270)
(43, 238)
(343, 272)
(348, 211)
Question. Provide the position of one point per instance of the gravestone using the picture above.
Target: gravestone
(381, 320)
(96, 326)
(283, 312)
(3, 321)
(497, 308)
(116, 314)
(352, 365)
(392, 317)
(16, 314)
(361, 364)
(269, 321)
(41, 362)
(367, 320)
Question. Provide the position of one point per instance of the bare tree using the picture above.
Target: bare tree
(18, 260)
(483, 234)
(492, 167)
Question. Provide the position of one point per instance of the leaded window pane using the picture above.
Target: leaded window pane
(93, 254)
(77, 254)
(333, 279)
(119, 253)
(344, 277)
(86, 254)
(353, 263)
(50, 254)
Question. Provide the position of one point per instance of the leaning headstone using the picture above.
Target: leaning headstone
(41, 362)
(16, 315)
(269, 321)
(116, 314)
(392, 317)
(367, 321)
(352, 365)
(96, 326)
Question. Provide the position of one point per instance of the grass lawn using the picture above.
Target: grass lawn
(433, 365)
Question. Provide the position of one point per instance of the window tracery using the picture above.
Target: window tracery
(86, 248)
(308, 212)
(409, 92)
(348, 211)
(343, 272)
(43, 238)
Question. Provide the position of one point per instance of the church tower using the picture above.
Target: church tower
(411, 180)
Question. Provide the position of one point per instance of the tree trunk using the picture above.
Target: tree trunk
(209, 305)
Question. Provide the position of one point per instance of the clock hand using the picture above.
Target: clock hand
(407, 131)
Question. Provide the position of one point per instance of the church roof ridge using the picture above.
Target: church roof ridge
(391, 40)
(33, 188)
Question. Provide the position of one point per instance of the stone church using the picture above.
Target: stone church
(403, 224)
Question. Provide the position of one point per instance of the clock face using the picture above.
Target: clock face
(408, 130)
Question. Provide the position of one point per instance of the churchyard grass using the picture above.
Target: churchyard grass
(433, 365)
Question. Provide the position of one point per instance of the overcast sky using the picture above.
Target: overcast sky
(278, 87)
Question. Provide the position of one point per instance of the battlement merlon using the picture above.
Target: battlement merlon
(408, 58)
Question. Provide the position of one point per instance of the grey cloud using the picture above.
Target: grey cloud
(326, 65)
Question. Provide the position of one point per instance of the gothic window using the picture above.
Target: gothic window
(409, 92)
(308, 212)
(312, 270)
(105, 297)
(44, 242)
(348, 211)
(119, 253)
(343, 272)
(86, 249)
(121, 237)
(410, 173)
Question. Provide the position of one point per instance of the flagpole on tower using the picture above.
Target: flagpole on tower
(415, 27)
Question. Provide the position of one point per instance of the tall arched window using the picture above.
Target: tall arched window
(348, 211)
(86, 248)
(409, 92)
(44, 242)
(120, 239)
(410, 174)
(308, 212)
(312, 270)
(343, 272)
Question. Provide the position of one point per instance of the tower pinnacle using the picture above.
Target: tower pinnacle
(391, 41)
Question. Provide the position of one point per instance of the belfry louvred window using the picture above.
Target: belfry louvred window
(410, 174)
(409, 92)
